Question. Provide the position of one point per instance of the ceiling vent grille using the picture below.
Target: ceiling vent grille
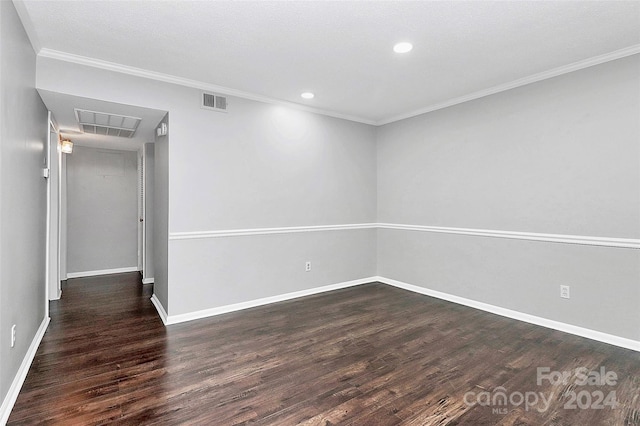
(102, 123)
(214, 102)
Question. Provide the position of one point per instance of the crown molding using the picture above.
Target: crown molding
(195, 84)
(167, 78)
(555, 72)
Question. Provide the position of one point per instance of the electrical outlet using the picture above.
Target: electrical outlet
(307, 266)
(13, 335)
(564, 292)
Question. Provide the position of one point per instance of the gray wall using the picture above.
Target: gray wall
(246, 268)
(102, 212)
(161, 218)
(264, 166)
(23, 136)
(259, 165)
(149, 177)
(55, 167)
(559, 156)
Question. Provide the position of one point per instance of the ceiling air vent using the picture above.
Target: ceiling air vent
(214, 102)
(102, 123)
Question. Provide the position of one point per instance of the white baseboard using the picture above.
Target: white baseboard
(16, 385)
(531, 319)
(101, 272)
(147, 281)
(163, 314)
(56, 296)
(175, 319)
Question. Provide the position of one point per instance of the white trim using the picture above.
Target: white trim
(147, 280)
(175, 319)
(56, 296)
(266, 231)
(508, 313)
(53, 123)
(140, 234)
(101, 272)
(632, 243)
(167, 78)
(161, 312)
(555, 72)
(531, 319)
(59, 155)
(21, 374)
(47, 240)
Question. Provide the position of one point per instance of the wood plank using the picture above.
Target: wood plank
(367, 355)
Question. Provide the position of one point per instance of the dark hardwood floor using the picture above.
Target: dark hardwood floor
(367, 355)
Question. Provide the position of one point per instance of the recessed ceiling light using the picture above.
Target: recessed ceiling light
(403, 47)
(307, 95)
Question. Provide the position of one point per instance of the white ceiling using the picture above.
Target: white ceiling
(62, 106)
(341, 51)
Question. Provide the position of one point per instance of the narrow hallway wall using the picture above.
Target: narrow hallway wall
(102, 211)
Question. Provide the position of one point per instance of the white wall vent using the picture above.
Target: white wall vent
(214, 102)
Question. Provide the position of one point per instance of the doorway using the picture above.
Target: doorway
(99, 195)
(53, 240)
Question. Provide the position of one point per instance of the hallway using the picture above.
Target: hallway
(104, 333)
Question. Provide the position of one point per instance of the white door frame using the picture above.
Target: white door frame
(141, 212)
(62, 222)
(144, 212)
(51, 155)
